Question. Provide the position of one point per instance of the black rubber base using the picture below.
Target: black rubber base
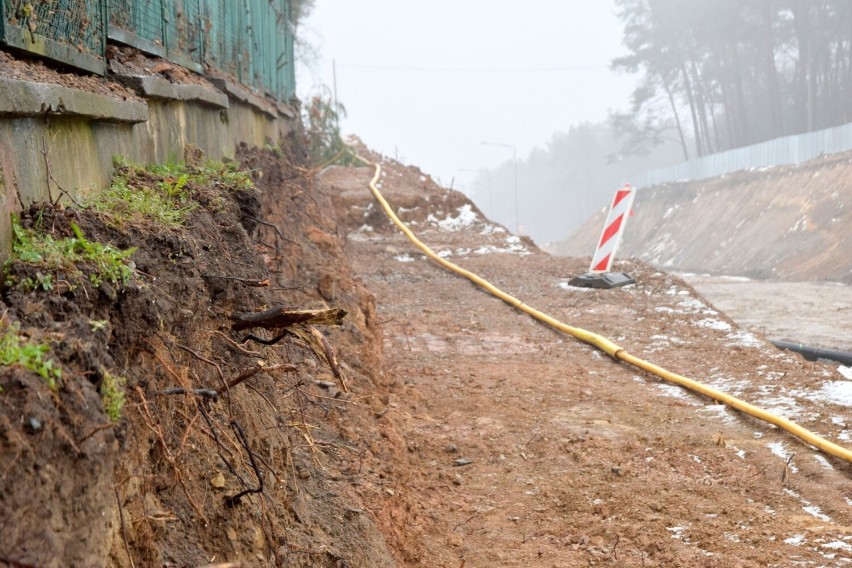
(815, 353)
(602, 280)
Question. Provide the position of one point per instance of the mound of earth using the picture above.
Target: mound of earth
(784, 223)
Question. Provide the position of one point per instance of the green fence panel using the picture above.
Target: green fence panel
(138, 23)
(184, 32)
(286, 60)
(249, 40)
(70, 31)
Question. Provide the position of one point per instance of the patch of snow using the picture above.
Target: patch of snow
(718, 325)
(730, 385)
(514, 247)
(796, 540)
(837, 545)
(362, 234)
(823, 462)
(674, 391)
(489, 229)
(784, 406)
(565, 286)
(743, 339)
(845, 371)
(677, 532)
(800, 225)
(778, 449)
(663, 244)
(816, 512)
(694, 305)
(403, 258)
(667, 339)
(838, 421)
(809, 508)
(837, 392)
(466, 217)
(720, 410)
(446, 253)
(422, 178)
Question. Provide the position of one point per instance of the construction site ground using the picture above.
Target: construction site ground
(525, 447)
(470, 435)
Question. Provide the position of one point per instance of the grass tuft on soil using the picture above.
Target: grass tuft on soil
(112, 395)
(165, 193)
(71, 259)
(16, 349)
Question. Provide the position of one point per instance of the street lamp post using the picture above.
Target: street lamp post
(514, 150)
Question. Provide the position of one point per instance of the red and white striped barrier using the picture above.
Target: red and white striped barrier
(613, 229)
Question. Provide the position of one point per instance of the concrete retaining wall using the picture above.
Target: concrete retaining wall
(51, 132)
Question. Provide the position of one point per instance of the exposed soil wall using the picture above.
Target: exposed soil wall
(786, 223)
(167, 484)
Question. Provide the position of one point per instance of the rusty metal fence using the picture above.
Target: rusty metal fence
(248, 40)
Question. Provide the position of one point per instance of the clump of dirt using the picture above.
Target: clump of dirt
(227, 447)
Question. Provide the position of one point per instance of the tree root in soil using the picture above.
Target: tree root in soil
(300, 324)
(281, 317)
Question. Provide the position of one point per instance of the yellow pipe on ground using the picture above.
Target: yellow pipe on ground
(608, 346)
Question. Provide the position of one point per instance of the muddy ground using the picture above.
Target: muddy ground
(527, 448)
(471, 435)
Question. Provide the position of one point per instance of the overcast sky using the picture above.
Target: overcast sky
(427, 82)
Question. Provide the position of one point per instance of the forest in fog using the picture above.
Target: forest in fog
(712, 75)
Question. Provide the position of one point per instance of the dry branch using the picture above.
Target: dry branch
(330, 357)
(281, 317)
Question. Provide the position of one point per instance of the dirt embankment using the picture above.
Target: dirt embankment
(784, 223)
(270, 464)
(472, 436)
(527, 448)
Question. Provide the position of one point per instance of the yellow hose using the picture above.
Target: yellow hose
(608, 346)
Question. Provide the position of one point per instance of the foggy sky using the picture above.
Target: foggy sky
(426, 82)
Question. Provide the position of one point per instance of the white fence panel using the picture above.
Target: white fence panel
(781, 151)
